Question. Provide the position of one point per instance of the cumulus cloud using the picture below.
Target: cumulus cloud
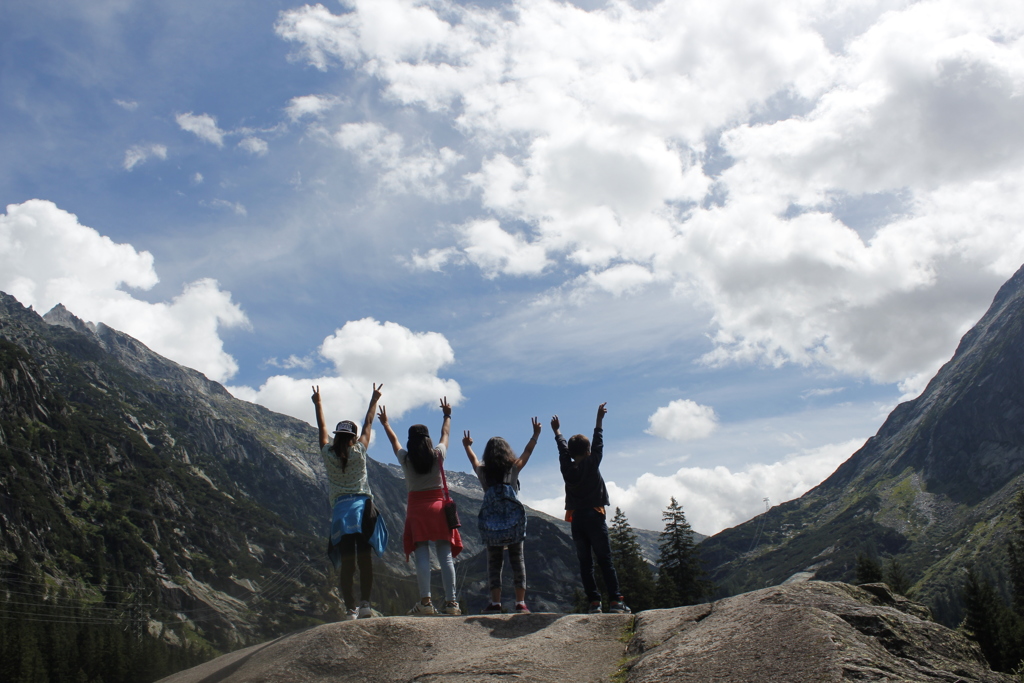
(136, 154)
(435, 259)
(733, 149)
(420, 172)
(498, 252)
(310, 105)
(254, 145)
(717, 498)
(364, 352)
(202, 126)
(683, 420)
(47, 257)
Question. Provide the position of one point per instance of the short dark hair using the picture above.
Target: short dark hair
(579, 447)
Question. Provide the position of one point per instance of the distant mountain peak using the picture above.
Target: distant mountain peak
(60, 315)
(933, 486)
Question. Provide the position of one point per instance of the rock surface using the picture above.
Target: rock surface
(539, 648)
(813, 631)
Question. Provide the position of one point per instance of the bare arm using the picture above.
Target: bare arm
(392, 437)
(324, 438)
(364, 438)
(555, 425)
(530, 445)
(446, 422)
(467, 441)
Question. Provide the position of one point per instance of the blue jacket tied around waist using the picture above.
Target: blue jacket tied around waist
(350, 517)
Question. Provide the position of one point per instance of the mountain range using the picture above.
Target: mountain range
(150, 495)
(205, 515)
(933, 489)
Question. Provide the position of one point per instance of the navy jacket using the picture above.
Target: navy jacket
(584, 485)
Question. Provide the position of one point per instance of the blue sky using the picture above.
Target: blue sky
(750, 228)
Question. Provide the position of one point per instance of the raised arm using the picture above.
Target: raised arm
(446, 421)
(563, 451)
(467, 441)
(597, 443)
(324, 438)
(392, 437)
(364, 438)
(530, 445)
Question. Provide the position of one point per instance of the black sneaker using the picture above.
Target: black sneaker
(492, 608)
(595, 607)
(619, 607)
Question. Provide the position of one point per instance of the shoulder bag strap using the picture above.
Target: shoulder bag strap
(444, 479)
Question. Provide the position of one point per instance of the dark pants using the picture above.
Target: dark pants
(590, 533)
(495, 560)
(354, 549)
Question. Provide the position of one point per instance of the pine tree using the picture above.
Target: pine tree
(665, 594)
(985, 619)
(636, 580)
(869, 569)
(1015, 548)
(679, 563)
(896, 577)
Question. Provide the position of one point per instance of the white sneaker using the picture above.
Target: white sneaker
(364, 610)
(350, 614)
(451, 608)
(421, 610)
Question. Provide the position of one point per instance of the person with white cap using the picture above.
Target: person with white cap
(354, 518)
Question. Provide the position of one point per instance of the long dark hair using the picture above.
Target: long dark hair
(342, 442)
(498, 460)
(420, 449)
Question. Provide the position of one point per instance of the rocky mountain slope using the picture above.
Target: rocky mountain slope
(812, 631)
(933, 488)
(120, 468)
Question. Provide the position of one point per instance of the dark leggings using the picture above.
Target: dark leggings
(355, 550)
(495, 560)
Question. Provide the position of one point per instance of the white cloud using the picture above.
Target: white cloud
(310, 105)
(716, 498)
(292, 362)
(203, 126)
(136, 154)
(47, 257)
(254, 145)
(683, 420)
(236, 207)
(127, 105)
(498, 252)
(417, 173)
(435, 259)
(625, 278)
(197, 178)
(730, 148)
(364, 352)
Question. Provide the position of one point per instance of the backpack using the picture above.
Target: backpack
(502, 518)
